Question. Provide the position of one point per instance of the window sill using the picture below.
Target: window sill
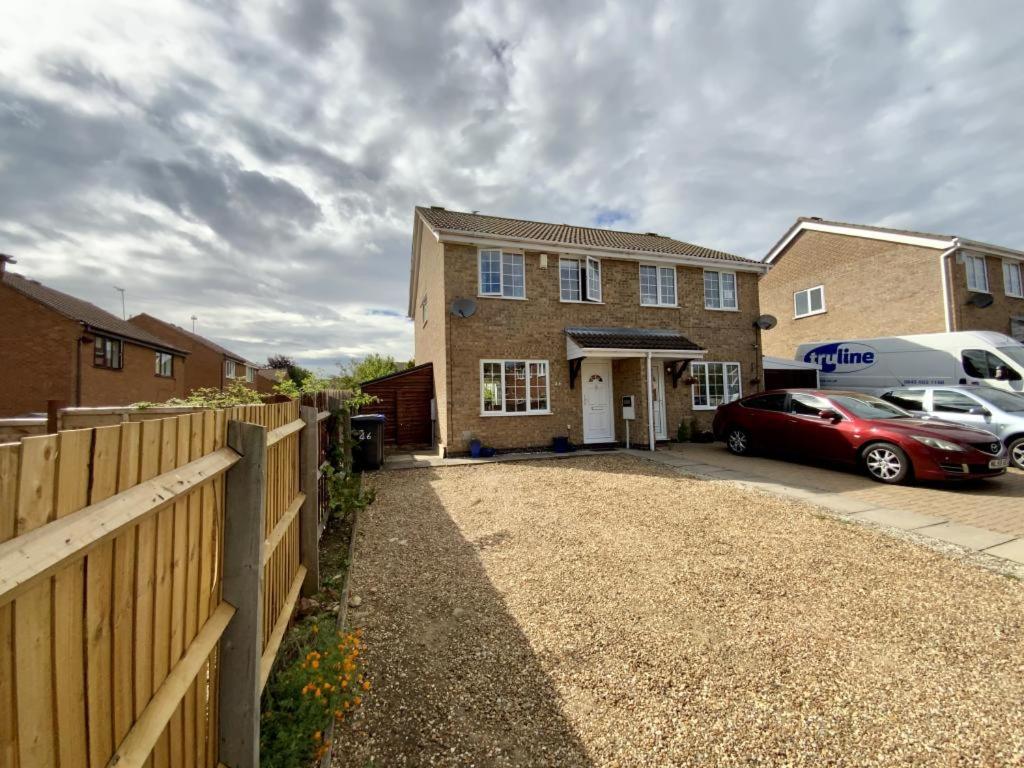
(721, 309)
(810, 314)
(1015, 295)
(660, 306)
(705, 407)
(979, 290)
(506, 298)
(489, 414)
(580, 301)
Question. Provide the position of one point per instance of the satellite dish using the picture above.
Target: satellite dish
(766, 322)
(463, 307)
(980, 300)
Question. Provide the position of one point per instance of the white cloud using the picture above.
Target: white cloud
(256, 163)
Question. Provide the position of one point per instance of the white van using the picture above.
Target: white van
(929, 359)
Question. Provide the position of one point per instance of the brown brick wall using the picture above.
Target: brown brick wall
(872, 288)
(205, 367)
(967, 317)
(534, 329)
(135, 382)
(430, 338)
(37, 355)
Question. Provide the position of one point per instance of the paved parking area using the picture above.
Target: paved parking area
(983, 515)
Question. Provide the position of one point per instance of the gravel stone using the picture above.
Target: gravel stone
(619, 614)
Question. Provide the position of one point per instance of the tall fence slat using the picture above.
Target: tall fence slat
(33, 633)
(98, 603)
(125, 573)
(10, 461)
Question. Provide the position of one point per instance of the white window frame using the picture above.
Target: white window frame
(659, 281)
(250, 374)
(970, 259)
(500, 293)
(229, 370)
(160, 357)
(735, 286)
(809, 312)
(586, 267)
(702, 365)
(528, 411)
(1008, 268)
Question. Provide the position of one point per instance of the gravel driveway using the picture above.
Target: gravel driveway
(607, 611)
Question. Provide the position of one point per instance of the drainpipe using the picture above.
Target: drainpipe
(650, 404)
(947, 307)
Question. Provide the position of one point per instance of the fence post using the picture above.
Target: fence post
(309, 515)
(241, 646)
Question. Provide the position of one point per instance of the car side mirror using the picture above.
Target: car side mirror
(829, 414)
(979, 411)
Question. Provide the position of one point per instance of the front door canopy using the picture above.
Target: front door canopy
(618, 343)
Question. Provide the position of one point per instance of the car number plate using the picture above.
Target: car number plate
(999, 463)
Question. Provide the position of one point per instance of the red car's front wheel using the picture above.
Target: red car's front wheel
(886, 462)
(738, 441)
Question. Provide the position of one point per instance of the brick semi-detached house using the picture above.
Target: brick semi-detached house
(567, 320)
(832, 281)
(56, 347)
(209, 364)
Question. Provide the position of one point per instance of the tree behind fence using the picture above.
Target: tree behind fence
(114, 572)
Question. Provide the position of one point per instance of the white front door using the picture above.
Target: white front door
(658, 385)
(598, 414)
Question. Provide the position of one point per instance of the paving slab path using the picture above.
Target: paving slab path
(984, 516)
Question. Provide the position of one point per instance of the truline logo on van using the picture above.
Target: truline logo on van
(844, 357)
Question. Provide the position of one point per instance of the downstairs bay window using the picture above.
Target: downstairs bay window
(716, 383)
(509, 387)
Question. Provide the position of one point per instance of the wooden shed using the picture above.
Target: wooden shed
(404, 399)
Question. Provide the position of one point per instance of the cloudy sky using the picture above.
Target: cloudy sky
(256, 163)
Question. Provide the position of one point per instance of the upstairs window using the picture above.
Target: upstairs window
(250, 374)
(720, 290)
(1011, 279)
(657, 286)
(809, 302)
(502, 274)
(108, 353)
(579, 279)
(229, 369)
(977, 274)
(164, 365)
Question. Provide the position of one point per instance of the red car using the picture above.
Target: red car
(860, 430)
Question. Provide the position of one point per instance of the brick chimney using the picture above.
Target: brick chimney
(4, 260)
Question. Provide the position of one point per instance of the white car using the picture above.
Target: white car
(1000, 412)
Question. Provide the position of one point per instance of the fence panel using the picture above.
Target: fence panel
(111, 558)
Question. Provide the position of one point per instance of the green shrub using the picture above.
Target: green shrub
(317, 678)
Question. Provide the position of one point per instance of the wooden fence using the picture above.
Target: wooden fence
(148, 572)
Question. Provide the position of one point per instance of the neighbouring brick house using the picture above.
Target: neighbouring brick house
(209, 364)
(56, 347)
(566, 321)
(830, 280)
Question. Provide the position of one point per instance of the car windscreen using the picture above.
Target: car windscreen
(866, 407)
(1005, 401)
(1015, 353)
